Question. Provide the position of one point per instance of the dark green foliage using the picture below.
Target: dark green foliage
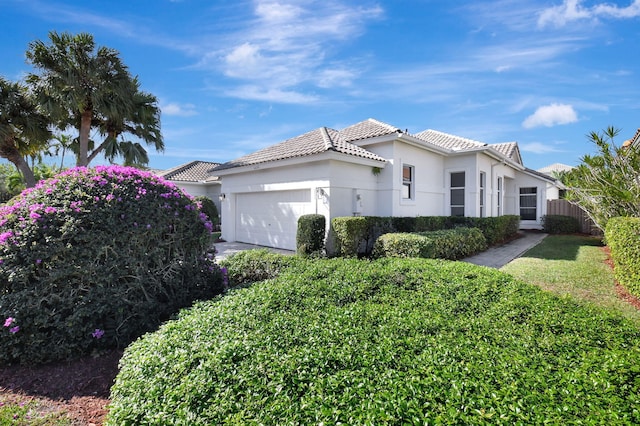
(394, 341)
(396, 244)
(449, 244)
(623, 238)
(208, 207)
(432, 223)
(108, 248)
(251, 266)
(456, 243)
(355, 236)
(310, 235)
(560, 224)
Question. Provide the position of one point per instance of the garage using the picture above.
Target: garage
(270, 218)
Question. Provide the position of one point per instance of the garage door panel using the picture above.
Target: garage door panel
(271, 218)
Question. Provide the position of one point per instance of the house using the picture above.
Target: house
(196, 179)
(373, 168)
(634, 141)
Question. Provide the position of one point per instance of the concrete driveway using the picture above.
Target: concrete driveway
(225, 249)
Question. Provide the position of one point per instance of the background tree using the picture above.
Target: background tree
(607, 185)
(23, 128)
(89, 88)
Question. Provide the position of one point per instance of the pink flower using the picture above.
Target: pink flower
(14, 330)
(9, 321)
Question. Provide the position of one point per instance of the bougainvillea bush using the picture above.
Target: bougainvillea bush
(95, 257)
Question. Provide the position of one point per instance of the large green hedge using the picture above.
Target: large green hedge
(392, 341)
(449, 244)
(95, 257)
(356, 236)
(623, 238)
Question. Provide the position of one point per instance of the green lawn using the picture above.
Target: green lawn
(572, 266)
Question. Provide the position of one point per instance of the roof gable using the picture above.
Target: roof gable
(195, 171)
(509, 150)
(366, 129)
(447, 141)
(314, 142)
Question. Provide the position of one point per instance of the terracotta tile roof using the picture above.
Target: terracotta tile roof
(447, 141)
(314, 142)
(370, 128)
(195, 171)
(635, 140)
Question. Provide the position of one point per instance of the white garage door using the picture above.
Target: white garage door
(271, 218)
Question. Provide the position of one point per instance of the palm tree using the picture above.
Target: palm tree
(141, 121)
(86, 87)
(23, 128)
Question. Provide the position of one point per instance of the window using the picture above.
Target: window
(407, 182)
(457, 194)
(499, 196)
(528, 202)
(483, 183)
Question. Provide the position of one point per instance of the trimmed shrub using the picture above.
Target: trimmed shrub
(432, 223)
(560, 224)
(310, 235)
(208, 207)
(455, 243)
(403, 245)
(94, 258)
(622, 235)
(391, 341)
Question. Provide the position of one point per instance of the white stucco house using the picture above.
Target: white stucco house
(373, 168)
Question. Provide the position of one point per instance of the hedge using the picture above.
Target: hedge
(356, 236)
(622, 235)
(310, 235)
(385, 342)
(449, 244)
(560, 224)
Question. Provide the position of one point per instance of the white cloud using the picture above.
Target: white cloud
(288, 49)
(185, 110)
(551, 115)
(258, 93)
(572, 10)
(538, 148)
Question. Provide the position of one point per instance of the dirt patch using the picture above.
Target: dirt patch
(80, 387)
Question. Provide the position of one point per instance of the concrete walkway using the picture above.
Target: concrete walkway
(495, 257)
(226, 249)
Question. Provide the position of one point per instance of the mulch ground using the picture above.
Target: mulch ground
(80, 387)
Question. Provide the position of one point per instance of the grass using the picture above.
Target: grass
(30, 412)
(575, 267)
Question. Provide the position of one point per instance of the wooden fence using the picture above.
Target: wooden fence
(565, 208)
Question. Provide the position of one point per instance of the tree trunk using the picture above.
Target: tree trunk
(85, 129)
(11, 153)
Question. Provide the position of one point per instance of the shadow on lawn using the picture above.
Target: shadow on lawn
(562, 247)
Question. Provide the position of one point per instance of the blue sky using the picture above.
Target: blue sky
(235, 76)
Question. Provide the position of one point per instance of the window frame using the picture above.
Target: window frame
(531, 195)
(409, 183)
(500, 186)
(452, 188)
(483, 194)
